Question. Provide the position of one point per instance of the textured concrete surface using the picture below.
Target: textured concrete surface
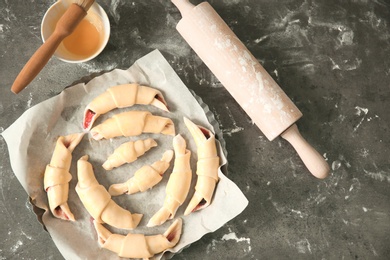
(330, 57)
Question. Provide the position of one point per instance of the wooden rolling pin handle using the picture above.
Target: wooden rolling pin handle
(64, 27)
(310, 157)
(184, 6)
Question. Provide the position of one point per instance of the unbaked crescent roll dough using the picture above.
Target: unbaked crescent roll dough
(139, 245)
(119, 97)
(97, 201)
(132, 123)
(207, 167)
(57, 177)
(178, 184)
(145, 178)
(128, 152)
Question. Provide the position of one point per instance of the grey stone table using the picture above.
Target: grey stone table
(332, 57)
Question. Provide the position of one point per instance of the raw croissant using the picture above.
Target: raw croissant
(207, 167)
(133, 123)
(145, 178)
(178, 184)
(98, 202)
(128, 152)
(122, 96)
(57, 177)
(139, 245)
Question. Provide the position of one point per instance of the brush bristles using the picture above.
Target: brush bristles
(85, 4)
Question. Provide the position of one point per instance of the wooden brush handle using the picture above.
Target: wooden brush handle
(65, 26)
(310, 157)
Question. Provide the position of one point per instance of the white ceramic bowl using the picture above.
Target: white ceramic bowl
(96, 15)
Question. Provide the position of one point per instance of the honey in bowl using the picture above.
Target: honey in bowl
(91, 36)
(84, 41)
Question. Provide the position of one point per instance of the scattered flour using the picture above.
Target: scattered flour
(27, 236)
(359, 111)
(365, 152)
(114, 10)
(16, 246)
(235, 128)
(303, 246)
(231, 2)
(233, 236)
(93, 67)
(379, 176)
(299, 213)
(211, 246)
(346, 37)
(29, 101)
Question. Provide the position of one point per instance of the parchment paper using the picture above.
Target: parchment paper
(31, 140)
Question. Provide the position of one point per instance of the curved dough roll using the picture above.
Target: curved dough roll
(145, 178)
(119, 97)
(128, 152)
(133, 123)
(207, 167)
(178, 184)
(139, 245)
(98, 202)
(57, 177)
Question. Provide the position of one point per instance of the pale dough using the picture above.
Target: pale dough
(139, 245)
(121, 96)
(97, 201)
(57, 177)
(128, 152)
(133, 123)
(145, 178)
(178, 184)
(207, 167)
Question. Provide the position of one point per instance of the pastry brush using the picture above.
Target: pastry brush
(65, 26)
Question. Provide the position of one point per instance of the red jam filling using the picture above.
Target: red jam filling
(59, 212)
(200, 205)
(88, 118)
(205, 132)
(171, 236)
(160, 98)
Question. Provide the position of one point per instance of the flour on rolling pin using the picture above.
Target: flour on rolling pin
(238, 70)
(245, 79)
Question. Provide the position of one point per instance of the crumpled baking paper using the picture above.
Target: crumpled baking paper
(31, 141)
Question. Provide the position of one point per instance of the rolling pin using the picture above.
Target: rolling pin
(245, 79)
